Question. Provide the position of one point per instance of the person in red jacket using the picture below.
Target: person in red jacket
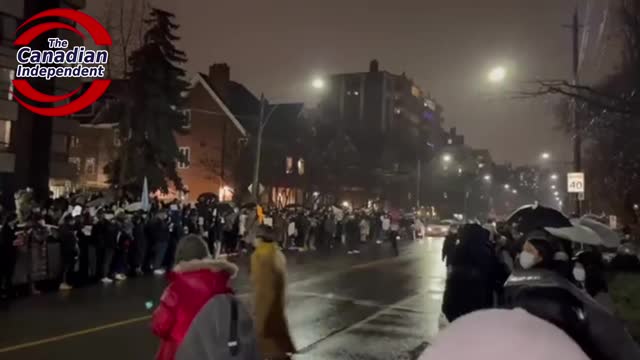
(194, 280)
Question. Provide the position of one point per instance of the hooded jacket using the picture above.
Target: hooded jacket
(191, 285)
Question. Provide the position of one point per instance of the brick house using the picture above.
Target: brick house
(91, 148)
(211, 146)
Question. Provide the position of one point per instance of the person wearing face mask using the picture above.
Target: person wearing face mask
(543, 291)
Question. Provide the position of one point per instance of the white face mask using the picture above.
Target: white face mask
(579, 273)
(527, 260)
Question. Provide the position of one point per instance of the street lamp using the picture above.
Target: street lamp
(554, 177)
(497, 74)
(553, 187)
(487, 178)
(446, 158)
(514, 191)
(507, 186)
(318, 83)
(556, 193)
(545, 156)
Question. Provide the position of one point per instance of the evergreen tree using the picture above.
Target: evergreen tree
(151, 115)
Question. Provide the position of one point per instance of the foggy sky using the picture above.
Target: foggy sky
(446, 46)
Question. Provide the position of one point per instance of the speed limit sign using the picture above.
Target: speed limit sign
(575, 182)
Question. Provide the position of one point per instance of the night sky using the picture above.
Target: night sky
(446, 46)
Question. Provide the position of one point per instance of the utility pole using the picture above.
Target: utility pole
(418, 183)
(577, 128)
(256, 166)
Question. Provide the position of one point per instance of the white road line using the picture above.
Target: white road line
(384, 310)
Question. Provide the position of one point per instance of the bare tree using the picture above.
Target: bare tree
(124, 19)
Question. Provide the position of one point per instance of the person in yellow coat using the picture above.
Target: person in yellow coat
(268, 277)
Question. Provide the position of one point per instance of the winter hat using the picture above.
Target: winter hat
(191, 247)
(521, 336)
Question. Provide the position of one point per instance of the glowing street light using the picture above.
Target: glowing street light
(447, 158)
(554, 177)
(318, 83)
(545, 156)
(556, 193)
(553, 187)
(487, 178)
(507, 186)
(514, 191)
(497, 74)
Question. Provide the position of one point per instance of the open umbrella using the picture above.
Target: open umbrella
(578, 234)
(608, 237)
(137, 206)
(532, 217)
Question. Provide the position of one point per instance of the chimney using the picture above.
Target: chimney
(374, 66)
(219, 78)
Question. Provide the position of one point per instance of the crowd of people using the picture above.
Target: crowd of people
(552, 277)
(74, 242)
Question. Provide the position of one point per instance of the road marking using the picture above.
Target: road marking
(384, 310)
(366, 303)
(74, 334)
(148, 317)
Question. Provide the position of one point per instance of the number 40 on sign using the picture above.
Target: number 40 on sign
(575, 182)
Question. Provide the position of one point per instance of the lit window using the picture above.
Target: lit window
(74, 141)
(185, 154)
(289, 165)
(5, 134)
(116, 137)
(90, 166)
(187, 119)
(76, 162)
(301, 167)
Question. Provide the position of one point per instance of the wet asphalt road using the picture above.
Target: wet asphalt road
(367, 306)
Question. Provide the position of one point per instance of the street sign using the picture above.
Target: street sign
(575, 182)
(260, 188)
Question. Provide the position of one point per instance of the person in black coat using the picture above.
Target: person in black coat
(138, 251)
(352, 234)
(105, 234)
(159, 236)
(7, 254)
(475, 276)
(68, 250)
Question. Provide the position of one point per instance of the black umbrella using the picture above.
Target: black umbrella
(533, 217)
(249, 205)
(208, 198)
(224, 207)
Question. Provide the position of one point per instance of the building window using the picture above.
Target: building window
(74, 142)
(116, 137)
(90, 166)
(5, 134)
(185, 154)
(187, 119)
(6, 83)
(8, 25)
(301, 167)
(76, 162)
(289, 165)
